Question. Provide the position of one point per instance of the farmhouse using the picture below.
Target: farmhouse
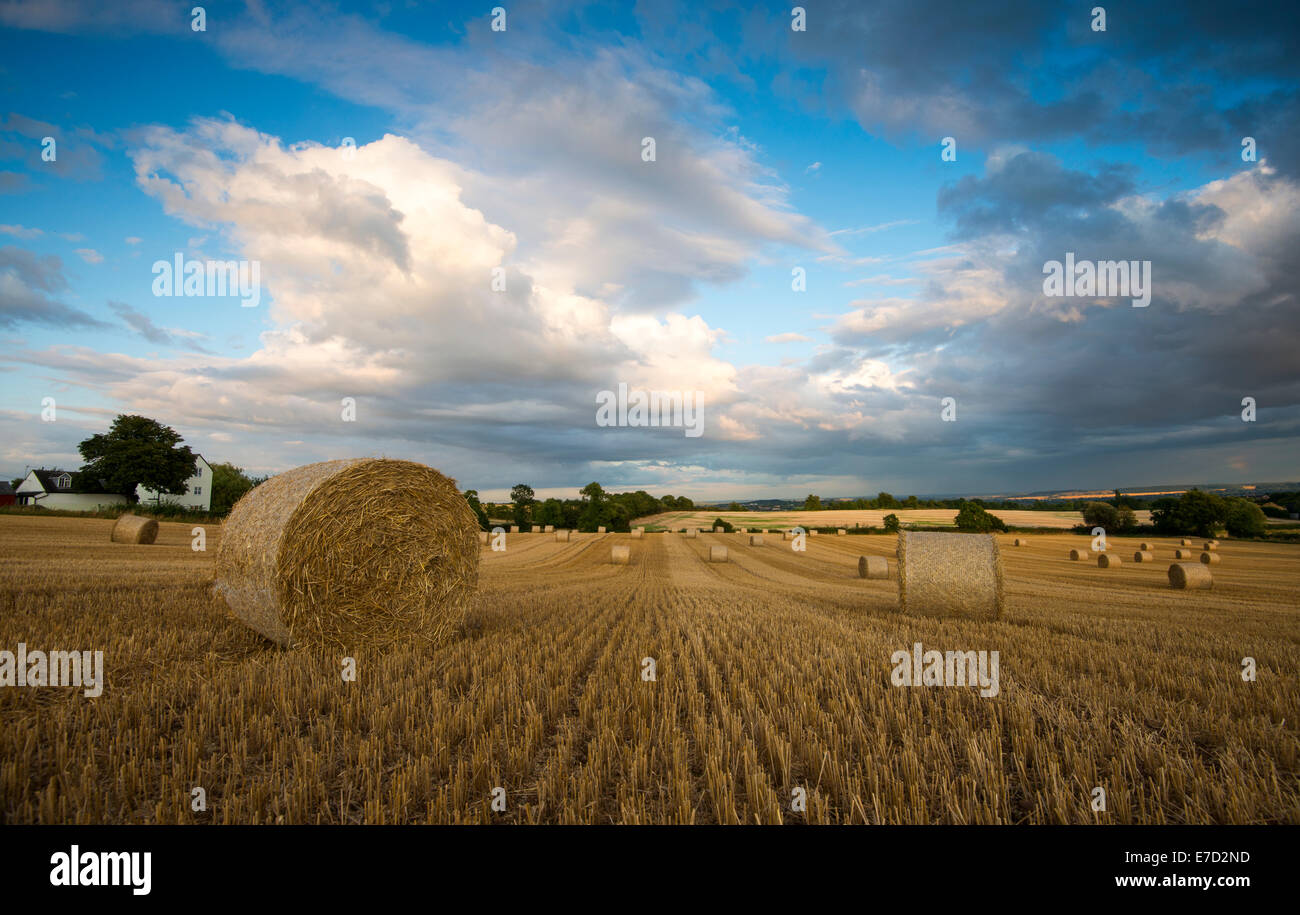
(66, 490)
(198, 489)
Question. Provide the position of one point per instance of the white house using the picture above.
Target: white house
(62, 489)
(198, 489)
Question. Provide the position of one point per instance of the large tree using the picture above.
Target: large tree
(523, 496)
(135, 451)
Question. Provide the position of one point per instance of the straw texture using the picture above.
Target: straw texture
(134, 529)
(873, 567)
(1188, 575)
(949, 575)
(348, 553)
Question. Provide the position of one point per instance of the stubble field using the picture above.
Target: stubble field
(772, 674)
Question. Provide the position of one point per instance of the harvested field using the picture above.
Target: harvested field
(773, 672)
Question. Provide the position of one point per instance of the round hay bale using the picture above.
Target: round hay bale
(364, 552)
(949, 575)
(1184, 554)
(717, 554)
(812, 533)
(601, 529)
(755, 539)
(1020, 541)
(1144, 556)
(1188, 575)
(718, 529)
(620, 555)
(691, 533)
(787, 535)
(1210, 559)
(1185, 542)
(1146, 547)
(1078, 555)
(549, 529)
(514, 528)
(563, 536)
(1210, 545)
(134, 529)
(638, 533)
(873, 567)
(841, 532)
(1107, 561)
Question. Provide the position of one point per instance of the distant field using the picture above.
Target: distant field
(773, 675)
(867, 518)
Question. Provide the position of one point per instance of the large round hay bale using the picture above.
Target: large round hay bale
(1146, 546)
(1107, 561)
(1185, 542)
(134, 529)
(620, 555)
(1184, 554)
(873, 567)
(1187, 575)
(949, 575)
(563, 536)
(1210, 545)
(1210, 559)
(349, 553)
(1144, 556)
(1078, 555)
(755, 539)
(691, 533)
(717, 554)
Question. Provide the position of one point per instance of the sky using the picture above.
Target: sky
(837, 248)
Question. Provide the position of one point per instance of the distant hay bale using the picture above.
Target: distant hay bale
(691, 533)
(755, 539)
(949, 575)
(549, 529)
(1107, 561)
(514, 528)
(1184, 554)
(134, 529)
(638, 533)
(1210, 559)
(563, 536)
(841, 532)
(718, 529)
(1145, 546)
(1210, 545)
(717, 554)
(1185, 542)
(1020, 541)
(350, 554)
(1144, 556)
(1078, 555)
(787, 535)
(873, 567)
(812, 533)
(600, 530)
(620, 555)
(1189, 575)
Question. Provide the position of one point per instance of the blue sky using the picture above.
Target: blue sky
(776, 149)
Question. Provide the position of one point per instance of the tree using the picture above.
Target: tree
(138, 451)
(885, 500)
(812, 503)
(972, 517)
(522, 495)
(725, 525)
(229, 484)
(892, 524)
(733, 507)
(1101, 514)
(1244, 518)
(471, 496)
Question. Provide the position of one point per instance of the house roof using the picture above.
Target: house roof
(80, 482)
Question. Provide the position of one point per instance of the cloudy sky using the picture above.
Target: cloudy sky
(390, 166)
